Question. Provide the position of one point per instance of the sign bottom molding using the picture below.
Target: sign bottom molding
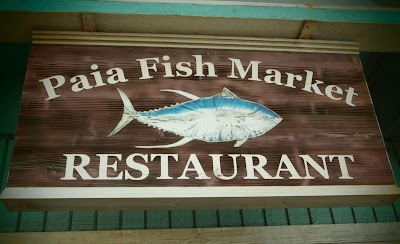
(170, 198)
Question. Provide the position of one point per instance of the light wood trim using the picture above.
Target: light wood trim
(342, 233)
(197, 192)
(145, 198)
(188, 36)
(193, 41)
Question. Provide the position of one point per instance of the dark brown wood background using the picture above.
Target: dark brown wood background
(80, 122)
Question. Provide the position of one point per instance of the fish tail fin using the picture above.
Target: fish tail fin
(128, 115)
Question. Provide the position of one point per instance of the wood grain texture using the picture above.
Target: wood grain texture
(80, 122)
(159, 201)
(344, 233)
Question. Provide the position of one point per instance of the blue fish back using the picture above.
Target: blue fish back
(214, 103)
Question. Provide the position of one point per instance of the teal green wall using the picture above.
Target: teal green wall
(304, 12)
(13, 62)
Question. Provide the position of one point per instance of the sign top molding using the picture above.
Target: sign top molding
(193, 41)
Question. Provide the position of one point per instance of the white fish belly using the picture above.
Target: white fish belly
(213, 125)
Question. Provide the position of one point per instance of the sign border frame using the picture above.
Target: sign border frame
(169, 198)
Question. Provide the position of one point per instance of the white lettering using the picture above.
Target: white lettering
(104, 166)
(164, 161)
(250, 167)
(289, 167)
(70, 167)
(237, 63)
(50, 89)
(138, 166)
(144, 67)
(343, 165)
(217, 166)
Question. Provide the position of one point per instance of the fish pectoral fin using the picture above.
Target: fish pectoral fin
(239, 143)
(183, 141)
(185, 94)
(227, 93)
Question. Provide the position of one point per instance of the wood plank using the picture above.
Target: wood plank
(344, 233)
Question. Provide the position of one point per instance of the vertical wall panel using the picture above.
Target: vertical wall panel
(133, 220)
(157, 219)
(393, 150)
(3, 155)
(343, 215)
(396, 206)
(321, 216)
(276, 216)
(206, 218)
(8, 220)
(230, 218)
(13, 63)
(57, 221)
(364, 214)
(181, 219)
(385, 214)
(108, 220)
(83, 220)
(6, 145)
(253, 217)
(298, 216)
(32, 221)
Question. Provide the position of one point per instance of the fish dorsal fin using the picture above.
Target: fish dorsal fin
(227, 93)
(185, 94)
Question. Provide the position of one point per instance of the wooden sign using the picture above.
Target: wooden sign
(149, 121)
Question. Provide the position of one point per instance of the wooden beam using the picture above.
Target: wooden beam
(343, 233)
(89, 22)
(307, 29)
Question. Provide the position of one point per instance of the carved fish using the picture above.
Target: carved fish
(220, 118)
